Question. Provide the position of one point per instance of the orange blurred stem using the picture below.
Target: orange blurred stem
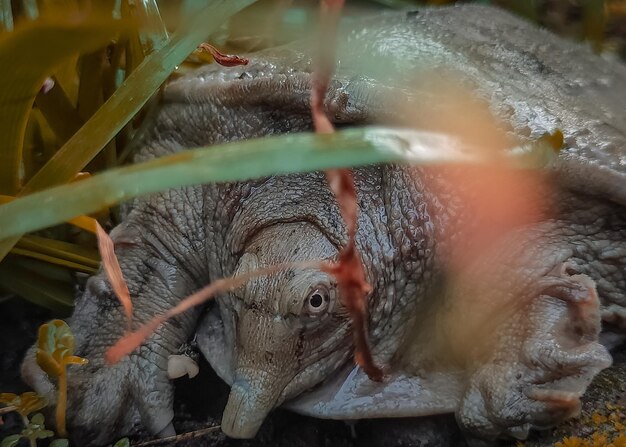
(62, 404)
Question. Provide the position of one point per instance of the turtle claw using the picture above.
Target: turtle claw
(552, 406)
(566, 403)
(546, 356)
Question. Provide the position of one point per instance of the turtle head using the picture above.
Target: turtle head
(290, 330)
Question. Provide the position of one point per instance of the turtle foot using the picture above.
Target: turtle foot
(545, 356)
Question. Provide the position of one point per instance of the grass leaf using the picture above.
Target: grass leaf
(83, 222)
(116, 112)
(58, 252)
(59, 112)
(242, 160)
(6, 15)
(153, 31)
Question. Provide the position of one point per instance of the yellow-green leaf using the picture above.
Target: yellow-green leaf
(61, 253)
(30, 402)
(48, 364)
(10, 441)
(7, 398)
(37, 48)
(55, 348)
(122, 106)
(75, 360)
(25, 403)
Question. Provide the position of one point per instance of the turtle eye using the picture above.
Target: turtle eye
(317, 301)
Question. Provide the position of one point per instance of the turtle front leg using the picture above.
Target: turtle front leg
(526, 328)
(158, 253)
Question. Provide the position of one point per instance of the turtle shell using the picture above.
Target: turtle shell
(532, 81)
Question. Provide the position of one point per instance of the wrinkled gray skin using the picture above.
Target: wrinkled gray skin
(506, 355)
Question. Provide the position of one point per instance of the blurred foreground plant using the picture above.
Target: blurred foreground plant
(62, 114)
(84, 107)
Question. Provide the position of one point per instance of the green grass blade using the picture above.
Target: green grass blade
(44, 269)
(241, 161)
(31, 11)
(18, 87)
(6, 16)
(59, 252)
(53, 260)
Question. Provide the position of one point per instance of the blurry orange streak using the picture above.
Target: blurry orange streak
(84, 222)
(227, 60)
(500, 200)
(349, 269)
(114, 272)
(131, 341)
(483, 204)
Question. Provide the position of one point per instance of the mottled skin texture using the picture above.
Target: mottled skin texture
(505, 354)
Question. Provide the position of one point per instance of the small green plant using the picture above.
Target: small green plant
(55, 350)
(34, 428)
(124, 442)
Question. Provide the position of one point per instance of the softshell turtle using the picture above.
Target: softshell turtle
(506, 355)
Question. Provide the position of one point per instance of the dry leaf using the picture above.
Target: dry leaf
(114, 272)
(227, 60)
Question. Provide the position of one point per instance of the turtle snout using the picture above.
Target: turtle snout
(252, 396)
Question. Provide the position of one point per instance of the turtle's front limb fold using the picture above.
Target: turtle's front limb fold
(108, 401)
(529, 341)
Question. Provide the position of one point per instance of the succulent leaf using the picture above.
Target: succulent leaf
(10, 441)
(55, 348)
(24, 403)
(124, 442)
(37, 420)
